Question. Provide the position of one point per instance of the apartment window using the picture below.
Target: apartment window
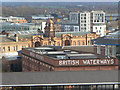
(81, 14)
(100, 27)
(3, 49)
(0, 49)
(8, 48)
(96, 27)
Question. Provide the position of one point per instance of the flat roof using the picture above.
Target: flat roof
(61, 52)
(59, 77)
(88, 55)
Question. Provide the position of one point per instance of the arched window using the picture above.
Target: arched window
(83, 43)
(45, 43)
(58, 43)
(28, 45)
(78, 42)
(74, 43)
(88, 42)
(8, 48)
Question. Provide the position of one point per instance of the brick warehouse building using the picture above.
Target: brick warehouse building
(56, 59)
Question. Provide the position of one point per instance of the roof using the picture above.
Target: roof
(5, 39)
(63, 77)
(58, 34)
(110, 39)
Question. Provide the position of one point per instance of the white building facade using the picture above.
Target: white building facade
(98, 22)
(93, 21)
(85, 21)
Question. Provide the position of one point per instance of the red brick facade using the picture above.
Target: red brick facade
(32, 61)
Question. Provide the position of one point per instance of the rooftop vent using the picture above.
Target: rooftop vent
(67, 51)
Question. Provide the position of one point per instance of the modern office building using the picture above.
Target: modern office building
(85, 21)
(93, 21)
(98, 22)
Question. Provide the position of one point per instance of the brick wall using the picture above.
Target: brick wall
(33, 64)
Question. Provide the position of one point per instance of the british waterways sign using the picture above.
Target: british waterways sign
(87, 62)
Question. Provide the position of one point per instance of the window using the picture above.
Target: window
(83, 43)
(8, 48)
(14, 48)
(88, 42)
(46, 44)
(81, 14)
(58, 44)
(3, 49)
(74, 43)
(78, 42)
(28, 45)
(0, 49)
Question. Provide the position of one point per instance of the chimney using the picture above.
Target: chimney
(16, 37)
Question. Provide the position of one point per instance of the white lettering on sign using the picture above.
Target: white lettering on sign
(97, 62)
(32, 54)
(87, 62)
(39, 57)
(69, 62)
(36, 56)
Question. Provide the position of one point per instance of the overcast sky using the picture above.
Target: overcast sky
(60, 0)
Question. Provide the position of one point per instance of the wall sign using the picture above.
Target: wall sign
(36, 56)
(87, 62)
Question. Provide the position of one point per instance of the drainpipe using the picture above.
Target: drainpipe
(86, 39)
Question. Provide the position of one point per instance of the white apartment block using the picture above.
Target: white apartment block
(98, 22)
(85, 21)
(99, 29)
(93, 21)
(98, 17)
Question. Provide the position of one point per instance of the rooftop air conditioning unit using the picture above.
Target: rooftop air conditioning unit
(61, 57)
